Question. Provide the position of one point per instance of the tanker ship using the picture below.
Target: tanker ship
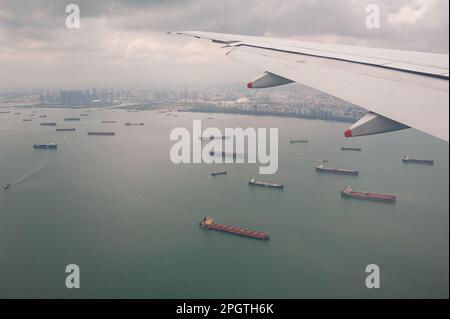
(219, 173)
(209, 224)
(294, 141)
(349, 192)
(322, 169)
(356, 149)
(254, 182)
(65, 130)
(102, 133)
(48, 146)
(409, 160)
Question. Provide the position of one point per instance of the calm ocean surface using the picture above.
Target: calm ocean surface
(118, 208)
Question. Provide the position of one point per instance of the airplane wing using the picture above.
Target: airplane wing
(401, 89)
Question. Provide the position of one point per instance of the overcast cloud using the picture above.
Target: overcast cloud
(124, 42)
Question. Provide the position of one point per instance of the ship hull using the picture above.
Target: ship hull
(65, 130)
(337, 171)
(370, 197)
(266, 184)
(354, 149)
(219, 173)
(101, 133)
(45, 147)
(236, 231)
(418, 161)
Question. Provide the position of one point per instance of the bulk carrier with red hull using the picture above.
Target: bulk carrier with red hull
(209, 223)
(349, 192)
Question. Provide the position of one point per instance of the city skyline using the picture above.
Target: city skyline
(291, 101)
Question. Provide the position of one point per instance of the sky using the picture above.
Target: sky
(124, 43)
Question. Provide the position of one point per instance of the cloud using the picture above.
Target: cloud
(126, 40)
(411, 14)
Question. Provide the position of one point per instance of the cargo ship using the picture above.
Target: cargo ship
(223, 154)
(4, 112)
(27, 120)
(72, 119)
(108, 122)
(48, 124)
(209, 224)
(65, 129)
(293, 141)
(211, 138)
(219, 173)
(42, 116)
(254, 182)
(348, 192)
(322, 169)
(356, 149)
(46, 146)
(102, 133)
(134, 124)
(84, 114)
(409, 160)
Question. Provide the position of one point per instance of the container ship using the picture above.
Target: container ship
(46, 146)
(48, 124)
(102, 133)
(209, 224)
(322, 169)
(409, 160)
(72, 119)
(356, 149)
(348, 192)
(65, 129)
(254, 182)
(134, 124)
(219, 173)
